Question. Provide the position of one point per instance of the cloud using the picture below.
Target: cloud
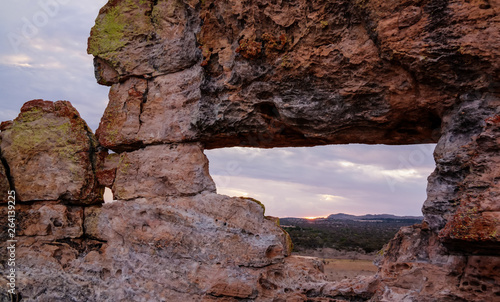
(338, 164)
(19, 60)
(329, 197)
(279, 197)
(49, 60)
(327, 179)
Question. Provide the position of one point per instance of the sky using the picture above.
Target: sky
(43, 56)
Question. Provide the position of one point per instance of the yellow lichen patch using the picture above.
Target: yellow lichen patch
(205, 51)
(57, 130)
(289, 243)
(124, 164)
(256, 201)
(107, 34)
(53, 135)
(115, 27)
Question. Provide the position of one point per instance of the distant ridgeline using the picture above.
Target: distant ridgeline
(345, 232)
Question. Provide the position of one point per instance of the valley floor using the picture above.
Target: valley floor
(343, 264)
(339, 269)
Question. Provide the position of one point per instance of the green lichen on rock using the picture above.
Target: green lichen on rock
(31, 136)
(28, 136)
(50, 152)
(115, 27)
(108, 33)
(37, 130)
(31, 115)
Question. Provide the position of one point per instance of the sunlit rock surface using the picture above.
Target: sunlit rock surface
(191, 75)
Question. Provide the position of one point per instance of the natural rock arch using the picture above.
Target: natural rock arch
(190, 75)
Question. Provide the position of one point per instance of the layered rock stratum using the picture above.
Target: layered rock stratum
(192, 75)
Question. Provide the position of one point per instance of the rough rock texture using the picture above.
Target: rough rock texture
(417, 267)
(160, 39)
(155, 171)
(50, 220)
(281, 74)
(51, 154)
(188, 75)
(463, 192)
(144, 112)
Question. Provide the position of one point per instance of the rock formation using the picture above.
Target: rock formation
(49, 141)
(190, 75)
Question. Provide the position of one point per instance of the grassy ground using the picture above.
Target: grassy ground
(338, 269)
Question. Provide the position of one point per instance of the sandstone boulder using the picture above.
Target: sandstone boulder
(189, 247)
(475, 224)
(51, 154)
(162, 170)
(177, 227)
(317, 73)
(416, 259)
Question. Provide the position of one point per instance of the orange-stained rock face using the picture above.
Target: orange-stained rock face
(188, 75)
(301, 74)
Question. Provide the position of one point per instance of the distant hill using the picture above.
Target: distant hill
(342, 216)
(346, 232)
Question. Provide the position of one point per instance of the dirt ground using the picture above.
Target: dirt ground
(343, 264)
(338, 269)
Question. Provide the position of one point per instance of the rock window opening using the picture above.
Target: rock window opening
(307, 188)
